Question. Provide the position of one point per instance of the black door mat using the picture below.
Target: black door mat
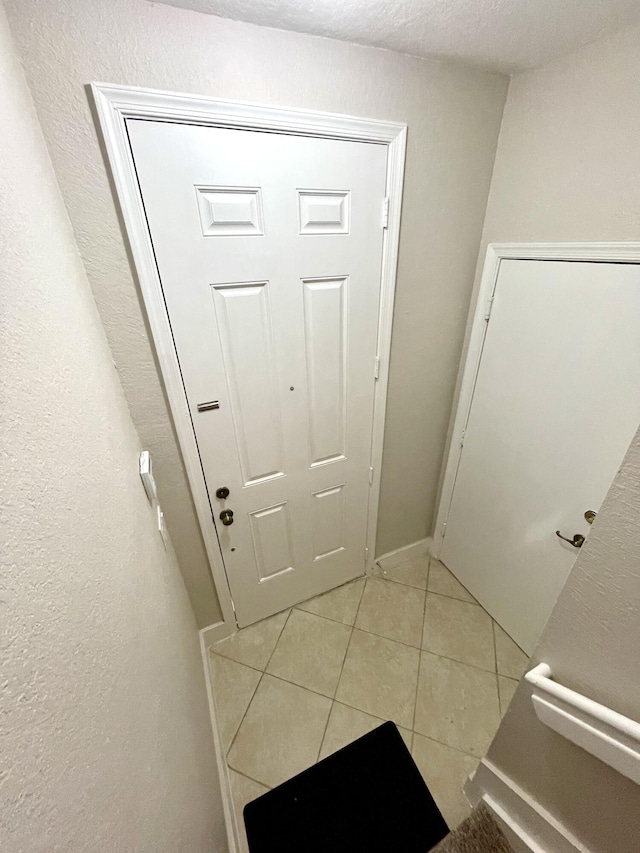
(368, 797)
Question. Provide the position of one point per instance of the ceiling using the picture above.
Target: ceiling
(504, 35)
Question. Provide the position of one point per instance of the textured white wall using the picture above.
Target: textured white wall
(104, 731)
(453, 116)
(568, 168)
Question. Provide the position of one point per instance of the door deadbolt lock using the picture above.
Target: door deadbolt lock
(226, 517)
(590, 515)
(222, 493)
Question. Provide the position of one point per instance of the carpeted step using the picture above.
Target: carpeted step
(479, 833)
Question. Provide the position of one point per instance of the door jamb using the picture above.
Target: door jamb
(114, 105)
(496, 253)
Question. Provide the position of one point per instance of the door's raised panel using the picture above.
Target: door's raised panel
(244, 323)
(272, 541)
(325, 327)
(328, 521)
(230, 211)
(323, 211)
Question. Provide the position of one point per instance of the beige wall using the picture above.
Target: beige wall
(104, 730)
(568, 168)
(453, 116)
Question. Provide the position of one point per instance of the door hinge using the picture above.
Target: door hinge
(366, 555)
(370, 476)
(443, 529)
(464, 432)
(376, 369)
(489, 309)
(385, 213)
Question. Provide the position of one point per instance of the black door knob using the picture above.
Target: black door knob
(226, 517)
(222, 493)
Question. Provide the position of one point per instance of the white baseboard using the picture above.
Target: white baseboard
(218, 631)
(528, 827)
(233, 834)
(408, 552)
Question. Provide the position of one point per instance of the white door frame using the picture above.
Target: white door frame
(116, 104)
(496, 253)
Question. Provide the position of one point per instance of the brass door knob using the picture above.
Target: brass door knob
(226, 517)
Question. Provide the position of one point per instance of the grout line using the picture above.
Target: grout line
(355, 616)
(495, 652)
(301, 686)
(324, 733)
(239, 662)
(424, 616)
(448, 745)
(399, 583)
(273, 650)
(262, 674)
(246, 711)
(250, 778)
(453, 598)
(253, 693)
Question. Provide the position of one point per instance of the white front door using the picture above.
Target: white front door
(269, 250)
(556, 404)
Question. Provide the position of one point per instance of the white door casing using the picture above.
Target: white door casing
(323, 292)
(536, 441)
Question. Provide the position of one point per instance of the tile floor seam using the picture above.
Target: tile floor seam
(419, 649)
(246, 776)
(333, 698)
(424, 616)
(275, 645)
(241, 663)
(400, 583)
(495, 657)
(298, 606)
(246, 711)
(448, 745)
(301, 686)
(322, 616)
(475, 602)
(384, 637)
(227, 751)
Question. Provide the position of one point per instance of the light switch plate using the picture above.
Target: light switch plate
(146, 475)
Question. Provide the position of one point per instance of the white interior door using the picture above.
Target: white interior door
(556, 404)
(269, 249)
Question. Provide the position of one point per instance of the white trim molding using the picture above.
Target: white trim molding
(114, 105)
(421, 548)
(528, 826)
(496, 253)
(230, 819)
(213, 634)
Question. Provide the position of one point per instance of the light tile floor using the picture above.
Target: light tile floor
(413, 647)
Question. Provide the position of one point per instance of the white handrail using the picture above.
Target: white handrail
(540, 677)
